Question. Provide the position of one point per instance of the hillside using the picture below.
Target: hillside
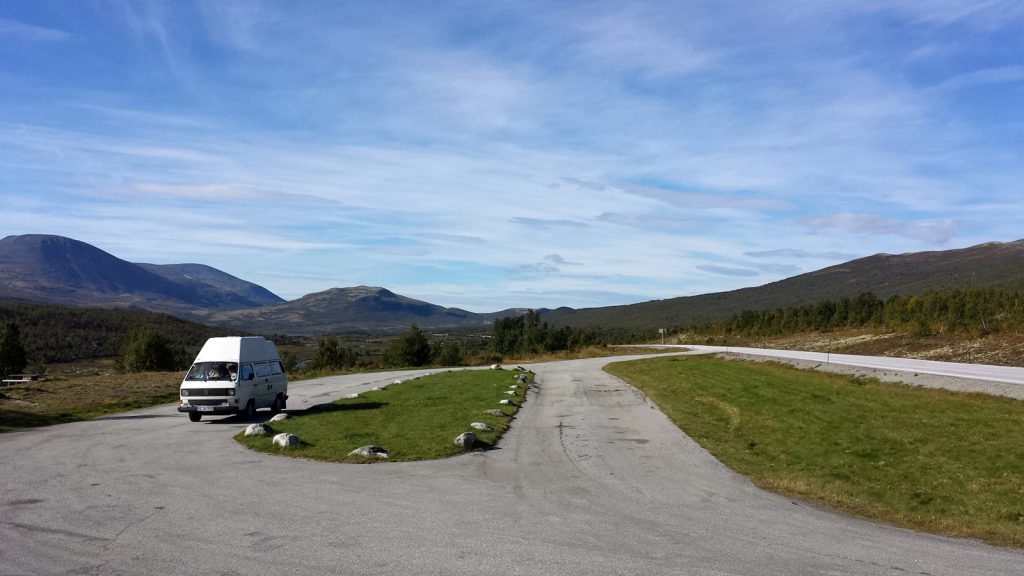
(991, 265)
(52, 334)
(359, 309)
(51, 269)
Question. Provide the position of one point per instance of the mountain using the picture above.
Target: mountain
(50, 269)
(221, 289)
(991, 265)
(358, 309)
(56, 270)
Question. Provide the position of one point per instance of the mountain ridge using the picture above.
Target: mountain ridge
(987, 265)
(50, 269)
(357, 309)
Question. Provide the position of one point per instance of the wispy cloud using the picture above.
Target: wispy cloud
(23, 32)
(547, 223)
(596, 153)
(727, 271)
(801, 253)
(640, 41)
(454, 238)
(932, 231)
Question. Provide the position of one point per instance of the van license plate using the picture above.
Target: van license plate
(204, 408)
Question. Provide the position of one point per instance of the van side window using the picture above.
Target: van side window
(262, 369)
(247, 373)
(276, 368)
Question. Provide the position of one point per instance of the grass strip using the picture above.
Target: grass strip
(926, 459)
(416, 420)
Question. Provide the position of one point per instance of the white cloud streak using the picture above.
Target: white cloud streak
(587, 151)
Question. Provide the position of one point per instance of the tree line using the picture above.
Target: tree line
(525, 335)
(54, 334)
(411, 349)
(975, 311)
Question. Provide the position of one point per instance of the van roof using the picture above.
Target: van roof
(237, 349)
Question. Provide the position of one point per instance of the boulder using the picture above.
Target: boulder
(495, 366)
(510, 392)
(286, 440)
(369, 452)
(466, 440)
(494, 412)
(279, 417)
(350, 396)
(481, 426)
(505, 402)
(258, 429)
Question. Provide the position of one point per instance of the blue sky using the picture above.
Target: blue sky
(495, 154)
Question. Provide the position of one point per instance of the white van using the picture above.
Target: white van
(234, 375)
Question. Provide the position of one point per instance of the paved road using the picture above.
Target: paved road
(590, 480)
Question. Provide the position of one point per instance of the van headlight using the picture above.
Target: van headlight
(230, 391)
(184, 392)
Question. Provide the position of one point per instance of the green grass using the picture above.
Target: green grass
(415, 420)
(926, 459)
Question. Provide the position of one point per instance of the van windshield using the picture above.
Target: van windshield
(205, 371)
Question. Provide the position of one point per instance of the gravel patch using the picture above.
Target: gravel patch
(909, 378)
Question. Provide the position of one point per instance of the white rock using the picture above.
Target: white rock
(505, 402)
(376, 389)
(510, 392)
(483, 427)
(286, 440)
(495, 366)
(258, 429)
(466, 440)
(350, 396)
(397, 382)
(494, 412)
(279, 417)
(369, 452)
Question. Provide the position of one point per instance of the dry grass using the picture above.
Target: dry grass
(81, 392)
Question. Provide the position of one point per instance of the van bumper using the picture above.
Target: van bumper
(209, 409)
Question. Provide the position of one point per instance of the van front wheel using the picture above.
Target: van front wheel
(276, 407)
(195, 416)
(250, 410)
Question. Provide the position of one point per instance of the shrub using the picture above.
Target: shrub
(148, 350)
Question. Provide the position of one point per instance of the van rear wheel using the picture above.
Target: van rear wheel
(195, 416)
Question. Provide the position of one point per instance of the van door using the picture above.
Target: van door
(247, 388)
(264, 388)
(279, 380)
